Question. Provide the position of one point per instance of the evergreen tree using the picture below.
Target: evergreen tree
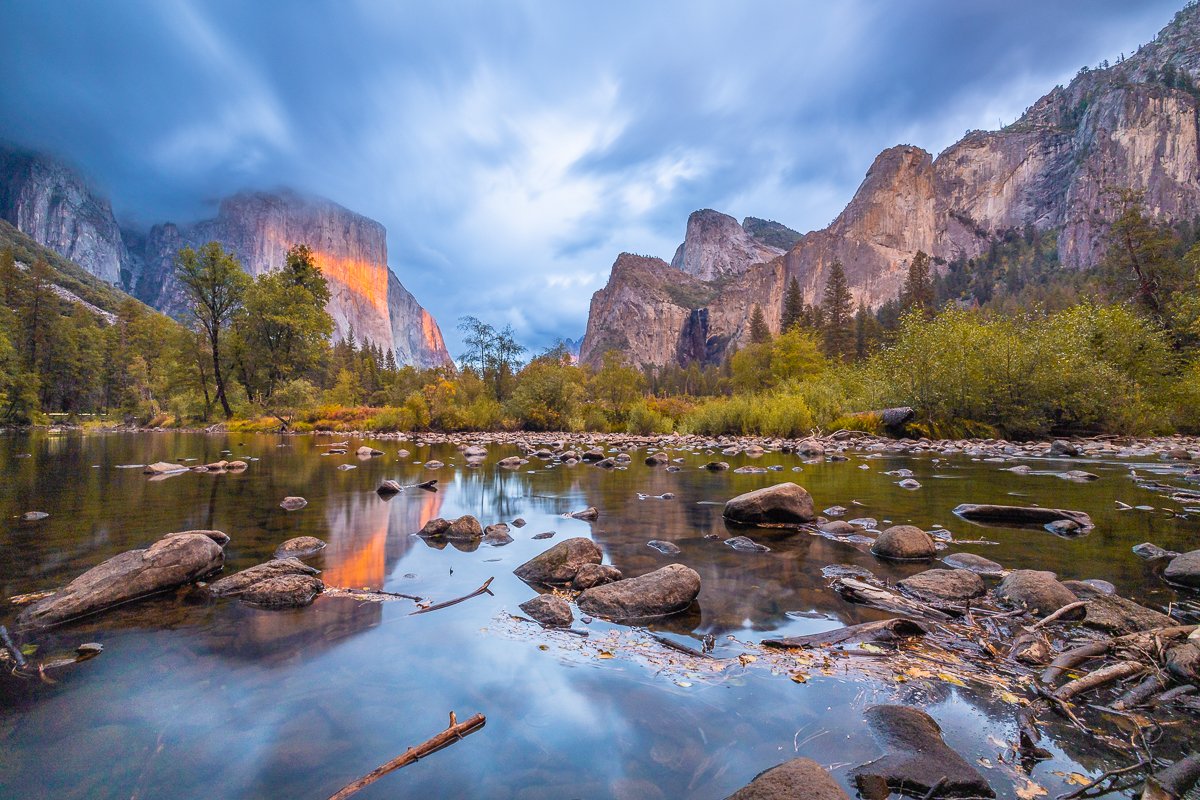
(867, 331)
(918, 290)
(215, 284)
(837, 312)
(1139, 264)
(759, 332)
(793, 307)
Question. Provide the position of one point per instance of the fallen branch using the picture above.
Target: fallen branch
(1173, 782)
(889, 630)
(452, 734)
(1112, 773)
(1102, 676)
(1072, 658)
(1057, 615)
(857, 591)
(481, 590)
(1139, 694)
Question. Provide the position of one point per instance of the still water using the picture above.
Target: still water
(217, 699)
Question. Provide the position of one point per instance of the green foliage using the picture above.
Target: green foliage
(645, 420)
(837, 327)
(549, 395)
(793, 307)
(918, 292)
(759, 332)
(778, 414)
(215, 285)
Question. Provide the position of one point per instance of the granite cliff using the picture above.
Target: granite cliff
(1132, 124)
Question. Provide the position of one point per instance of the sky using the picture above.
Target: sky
(513, 149)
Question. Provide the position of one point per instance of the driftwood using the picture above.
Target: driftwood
(889, 630)
(857, 591)
(1112, 773)
(1102, 676)
(452, 734)
(1057, 615)
(481, 590)
(12, 649)
(1139, 694)
(682, 648)
(1141, 640)
(1173, 782)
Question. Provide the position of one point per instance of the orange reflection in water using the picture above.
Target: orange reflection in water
(358, 551)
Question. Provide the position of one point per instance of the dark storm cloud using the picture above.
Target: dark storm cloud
(512, 149)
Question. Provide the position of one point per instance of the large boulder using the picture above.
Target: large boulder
(1114, 614)
(944, 585)
(784, 503)
(1184, 569)
(1036, 590)
(561, 562)
(172, 561)
(664, 591)
(549, 610)
(798, 778)
(282, 583)
(904, 543)
(915, 758)
(1021, 515)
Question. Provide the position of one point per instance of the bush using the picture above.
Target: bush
(644, 420)
(780, 414)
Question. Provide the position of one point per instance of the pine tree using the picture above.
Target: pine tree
(759, 332)
(867, 331)
(836, 308)
(793, 307)
(918, 286)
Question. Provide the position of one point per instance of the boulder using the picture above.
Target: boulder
(367, 452)
(512, 462)
(561, 562)
(549, 610)
(172, 561)
(283, 583)
(974, 563)
(1184, 569)
(838, 527)
(389, 487)
(655, 459)
(664, 591)
(163, 468)
(909, 483)
(433, 463)
(810, 448)
(904, 543)
(783, 503)
(915, 758)
(1114, 614)
(1066, 528)
(293, 503)
(606, 463)
(300, 547)
(798, 778)
(1020, 515)
(475, 451)
(497, 535)
(589, 514)
(1063, 449)
(434, 528)
(1036, 590)
(715, 466)
(590, 575)
(1150, 551)
(943, 585)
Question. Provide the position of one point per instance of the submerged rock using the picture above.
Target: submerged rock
(33, 516)
(904, 543)
(916, 758)
(784, 503)
(664, 591)
(293, 503)
(1151, 552)
(388, 487)
(172, 561)
(715, 466)
(589, 514)
(549, 610)
(561, 562)
(666, 548)
(1036, 590)
(1021, 515)
(433, 464)
(300, 547)
(744, 544)
(945, 585)
(974, 563)
(163, 468)
(283, 583)
(798, 778)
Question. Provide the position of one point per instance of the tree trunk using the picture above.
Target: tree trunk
(218, 378)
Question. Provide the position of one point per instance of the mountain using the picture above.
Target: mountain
(51, 204)
(1132, 124)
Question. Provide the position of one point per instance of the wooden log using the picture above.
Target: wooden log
(452, 734)
(1173, 782)
(1069, 659)
(481, 590)
(888, 630)
(1102, 676)
(857, 591)
(1139, 694)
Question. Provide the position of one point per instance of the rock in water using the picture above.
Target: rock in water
(465, 528)
(172, 561)
(1114, 614)
(33, 516)
(589, 514)
(944, 585)
(1184, 570)
(904, 543)
(744, 544)
(549, 610)
(1063, 449)
(497, 535)
(367, 452)
(434, 464)
(915, 758)
(715, 466)
(1150, 551)
(590, 575)
(798, 778)
(283, 583)
(389, 487)
(163, 468)
(655, 459)
(974, 563)
(512, 462)
(784, 503)
(666, 548)
(561, 562)
(664, 591)
(1036, 590)
(300, 547)
(1021, 515)
(293, 503)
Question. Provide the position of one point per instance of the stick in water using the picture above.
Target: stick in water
(446, 738)
(481, 590)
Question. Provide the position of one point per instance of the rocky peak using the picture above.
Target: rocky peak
(771, 233)
(716, 246)
(51, 203)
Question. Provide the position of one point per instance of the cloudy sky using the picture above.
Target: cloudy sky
(512, 149)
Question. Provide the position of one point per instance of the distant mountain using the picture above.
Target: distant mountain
(53, 205)
(1132, 124)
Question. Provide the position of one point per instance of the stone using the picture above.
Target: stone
(561, 562)
(465, 528)
(174, 560)
(664, 591)
(236, 466)
(606, 463)
(1036, 590)
(589, 514)
(475, 451)
(916, 758)
(744, 544)
(715, 466)
(974, 563)
(798, 778)
(33, 516)
(1150, 552)
(838, 527)
(293, 503)
(1114, 614)
(783, 503)
(1066, 528)
(283, 583)
(943, 585)
(434, 528)
(909, 483)
(367, 452)
(1063, 449)
(163, 468)
(655, 459)
(543, 535)
(1078, 475)
(433, 463)
(549, 610)
(389, 487)
(300, 547)
(1020, 515)
(590, 575)
(666, 548)
(1184, 570)
(904, 543)
(511, 462)
(497, 535)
